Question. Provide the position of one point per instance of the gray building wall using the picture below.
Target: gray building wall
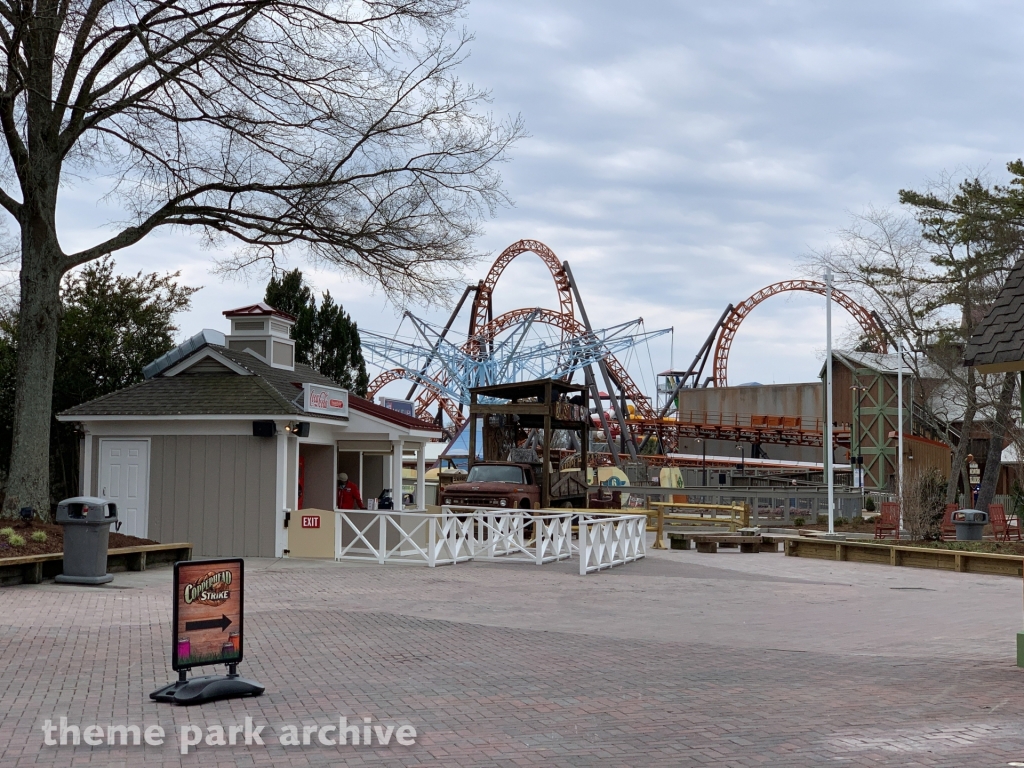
(764, 400)
(216, 491)
(768, 400)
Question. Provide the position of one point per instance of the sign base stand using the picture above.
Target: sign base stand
(200, 690)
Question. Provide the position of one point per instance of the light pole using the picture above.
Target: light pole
(899, 428)
(828, 402)
(703, 462)
(743, 467)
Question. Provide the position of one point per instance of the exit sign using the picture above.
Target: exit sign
(311, 521)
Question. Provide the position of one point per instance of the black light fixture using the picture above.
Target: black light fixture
(27, 513)
(298, 428)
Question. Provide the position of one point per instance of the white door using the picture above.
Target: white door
(124, 480)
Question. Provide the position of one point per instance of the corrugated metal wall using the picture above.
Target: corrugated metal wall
(769, 399)
(216, 491)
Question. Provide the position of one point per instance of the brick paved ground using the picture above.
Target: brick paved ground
(682, 660)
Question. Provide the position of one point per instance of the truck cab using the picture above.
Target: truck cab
(496, 484)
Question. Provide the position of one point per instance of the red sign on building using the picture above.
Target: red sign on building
(311, 521)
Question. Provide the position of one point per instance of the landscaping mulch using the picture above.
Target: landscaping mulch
(54, 539)
(861, 527)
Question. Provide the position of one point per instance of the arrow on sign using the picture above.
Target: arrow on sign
(223, 622)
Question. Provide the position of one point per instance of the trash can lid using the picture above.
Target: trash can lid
(93, 500)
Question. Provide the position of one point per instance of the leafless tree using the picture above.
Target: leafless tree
(930, 272)
(337, 128)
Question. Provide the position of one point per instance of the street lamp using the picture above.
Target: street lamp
(703, 462)
(743, 467)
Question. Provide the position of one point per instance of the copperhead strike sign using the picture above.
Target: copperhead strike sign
(206, 628)
(207, 613)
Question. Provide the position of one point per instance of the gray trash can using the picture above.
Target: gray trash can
(86, 521)
(969, 524)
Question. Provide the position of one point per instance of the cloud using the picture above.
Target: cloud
(683, 155)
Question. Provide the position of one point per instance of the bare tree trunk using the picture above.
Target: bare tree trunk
(28, 483)
(958, 468)
(993, 462)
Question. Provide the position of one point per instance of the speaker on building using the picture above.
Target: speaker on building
(264, 429)
(302, 429)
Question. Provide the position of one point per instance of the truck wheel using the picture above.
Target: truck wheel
(524, 504)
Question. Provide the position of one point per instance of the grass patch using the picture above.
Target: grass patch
(38, 537)
(7, 532)
(15, 540)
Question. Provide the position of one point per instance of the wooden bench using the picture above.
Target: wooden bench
(726, 541)
(711, 542)
(32, 569)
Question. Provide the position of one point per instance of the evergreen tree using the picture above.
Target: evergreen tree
(111, 326)
(326, 338)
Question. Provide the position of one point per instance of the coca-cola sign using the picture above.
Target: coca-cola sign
(327, 400)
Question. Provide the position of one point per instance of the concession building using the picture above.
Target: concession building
(228, 438)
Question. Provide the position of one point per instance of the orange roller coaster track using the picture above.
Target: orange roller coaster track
(483, 328)
(482, 304)
(867, 322)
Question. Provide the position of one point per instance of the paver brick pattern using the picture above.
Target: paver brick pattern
(485, 682)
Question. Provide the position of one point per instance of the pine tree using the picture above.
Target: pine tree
(326, 338)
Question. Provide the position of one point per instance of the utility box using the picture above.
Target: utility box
(969, 524)
(86, 521)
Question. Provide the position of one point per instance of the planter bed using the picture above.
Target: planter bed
(938, 557)
(32, 569)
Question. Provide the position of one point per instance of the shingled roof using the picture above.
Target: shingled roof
(268, 391)
(997, 345)
(228, 395)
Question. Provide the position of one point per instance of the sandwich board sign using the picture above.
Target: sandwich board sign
(207, 613)
(207, 628)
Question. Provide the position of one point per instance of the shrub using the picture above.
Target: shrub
(16, 541)
(869, 504)
(38, 536)
(857, 520)
(924, 502)
(798, 521)
(822, 519)
(840, 522)
(7, 532)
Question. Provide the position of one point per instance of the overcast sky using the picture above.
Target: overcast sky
(683, 155)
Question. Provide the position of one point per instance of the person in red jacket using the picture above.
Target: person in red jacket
(348, 493)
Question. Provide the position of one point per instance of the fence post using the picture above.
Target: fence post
(432, 542)
(383, 546)
(659, 542)
(584, 546)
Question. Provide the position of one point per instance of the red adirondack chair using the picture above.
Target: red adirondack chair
(1003, 529)
(888, 521)
(948, 529)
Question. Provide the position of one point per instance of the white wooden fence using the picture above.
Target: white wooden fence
(501, 533)
(609, 541)
(436, 539)
(458, 534)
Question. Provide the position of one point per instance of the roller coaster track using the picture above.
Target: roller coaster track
(867, 322)
(483, 310)
(483, 329)
(489, 331)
